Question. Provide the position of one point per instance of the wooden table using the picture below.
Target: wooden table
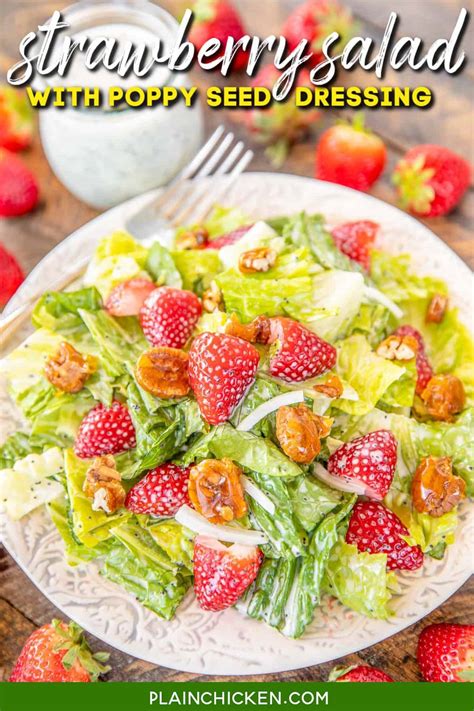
(449, 122)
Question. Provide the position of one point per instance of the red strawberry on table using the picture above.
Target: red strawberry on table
(431, 180)
(11, 275)
(314, 20)
(368, 461)
(354, 239)
(221, 368)
(358, 673)
(298, 353)
(161, 492)
(127, 298)
(16, 119)
(351, 155)
(446, 652)
(168, 316)
(223, 573)
(423, 366)
(18, 187)
(105, 430)
(58, 652)
(220, 20)
(227, 239)
(375, 529)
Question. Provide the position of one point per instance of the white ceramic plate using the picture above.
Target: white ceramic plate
(227, 643)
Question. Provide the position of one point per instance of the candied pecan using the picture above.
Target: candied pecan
(215, 490)
(260, 259)
(163, 371)
(68, 369)
(332, 387)
(398, 348)
(257, 331)
(436, 308)
(442, 399)
(104, 486)
(299, 432)
(435, 489)
(193, 239)
(212, 298)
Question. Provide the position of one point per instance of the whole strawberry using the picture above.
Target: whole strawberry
(375, 529)
(314, 20)
(58, 652)
(359, 673)
(431, 180)
(355, 239)
(16, 119)
(297, 353)
(127, 298)
(221, 573)
(351, 155)
(168, 316)
(446, 652)
(220, 20)
(105, 430)
(18, 187)
(368, 462)
(423, 365)
(11, 275)
(221, 368)
(161, 492)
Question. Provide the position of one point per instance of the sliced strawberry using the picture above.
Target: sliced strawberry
(221, 573)
(218, 19)
(128, 297)
(375, 529)
(446, 652)
(105, 430)
(298, 353)
(354, 239)
(18, 187)
(359, 673)
(423, 367)
(16, 119)
(168, 316)
(161, 492)
(227, 239)
(369, 462)
(11, 275)
(221, 368)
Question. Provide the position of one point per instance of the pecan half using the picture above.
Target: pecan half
(215, 490)
(442, 399)
(212, 298)
(435, 489)
(192, 239)
(257, 260)
(68, 369)
(163, 372)
(398, 348)
(436, 308)
(257, 331)
(104, 486)
(299, 432)
(332, 387)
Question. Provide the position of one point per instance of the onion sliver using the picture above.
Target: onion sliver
(257, 494)
(376, 295)
(266, 408)
(193, 520)
(340, 483)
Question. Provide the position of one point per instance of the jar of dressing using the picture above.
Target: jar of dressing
(105, 156)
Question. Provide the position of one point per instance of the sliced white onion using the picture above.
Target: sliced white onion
(341, 483)
(257, 494)
(376, 295)
(266, 408)
(193, 520)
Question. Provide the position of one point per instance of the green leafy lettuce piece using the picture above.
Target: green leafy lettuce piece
(267, 597)
(161, 266)
(176, 541)
(373, 321)
(222, 220)
(359, 580)
(401, 393)
(58, 421)
(312, 500)
(59, 310)
(309, 231)
(262, 390)
(141, 543)
(197, 267)
(15, 447)
(392, 275)
(117, 258)
(75, 552)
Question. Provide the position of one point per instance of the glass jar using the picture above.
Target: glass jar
(105, 156)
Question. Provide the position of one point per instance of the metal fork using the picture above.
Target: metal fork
(185, 199)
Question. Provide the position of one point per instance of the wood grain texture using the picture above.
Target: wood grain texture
(22, 606)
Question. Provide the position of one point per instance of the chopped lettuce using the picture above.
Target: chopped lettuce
(221, 221)
(139, 542)
(392, 274)
(17, 446)
(59, 310)
(337, 296)
(215, 322)
(197, 267)
(117, 258)
(30, 482)
(373, 321)
(75, 552)
(58, 421)
(176, 541)
(309, 231)
(262, 390)
(161, 266)
(259, 235)
(312, 500)
(401, 393)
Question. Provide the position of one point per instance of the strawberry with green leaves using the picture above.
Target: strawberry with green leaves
(58, 652)
(446, 652)
(359, 673)
(220, 20)
(16, 119)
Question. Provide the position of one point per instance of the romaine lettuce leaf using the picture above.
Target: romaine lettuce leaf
(161, 266)
(75, 552)
(59, 310)
(259, 235)
(220, 221)
(312, 500)
(392, 275)
(139, 542)
(374, 321)
(17, 446)
(401, 393)
(117, 258)
(176, 541)
(309, 231)
(337, 298)
(197, 267)
(58, 421)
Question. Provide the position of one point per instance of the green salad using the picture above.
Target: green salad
(267, 413)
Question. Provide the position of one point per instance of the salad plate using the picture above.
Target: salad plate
(229, 642)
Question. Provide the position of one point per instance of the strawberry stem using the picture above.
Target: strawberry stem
(71, 638)
(414, 189)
